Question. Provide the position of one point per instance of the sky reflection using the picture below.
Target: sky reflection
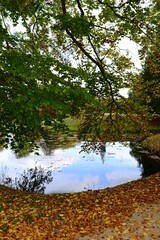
(73, 171)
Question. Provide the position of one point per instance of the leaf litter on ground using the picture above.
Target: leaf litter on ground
(25, 215)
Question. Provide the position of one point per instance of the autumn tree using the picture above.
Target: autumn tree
(62, 58)
(146, 89)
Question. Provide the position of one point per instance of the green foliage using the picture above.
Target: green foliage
(72, 123)
(60, 59)
(146, 90)
(79, 26)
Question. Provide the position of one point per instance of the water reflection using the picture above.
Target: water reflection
(48, 146)
(73, 170)
(31, 180)
(102, 150)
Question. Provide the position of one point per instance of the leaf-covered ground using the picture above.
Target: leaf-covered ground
(30, 216)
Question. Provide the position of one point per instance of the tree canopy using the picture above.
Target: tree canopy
(62, 58)
(145, 91)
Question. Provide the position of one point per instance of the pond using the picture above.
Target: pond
(75, 171)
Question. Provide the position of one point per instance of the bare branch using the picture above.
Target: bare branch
(80, 7)
(63, 3)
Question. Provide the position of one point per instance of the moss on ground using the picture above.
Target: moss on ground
(152, 144)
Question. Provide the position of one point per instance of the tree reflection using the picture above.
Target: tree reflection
(102, 151)
(147, 164)
(32, 180)
(48, 145)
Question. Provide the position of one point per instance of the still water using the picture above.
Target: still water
(75, 171)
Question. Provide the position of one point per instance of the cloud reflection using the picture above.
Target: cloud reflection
(72, 183)
(118, 177)
(73, 172)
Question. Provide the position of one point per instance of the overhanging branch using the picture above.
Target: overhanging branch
(80, 7)
(98, 62)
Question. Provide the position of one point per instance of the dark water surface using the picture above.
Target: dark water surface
(73, 171)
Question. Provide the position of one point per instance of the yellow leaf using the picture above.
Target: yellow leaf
(107, 222)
